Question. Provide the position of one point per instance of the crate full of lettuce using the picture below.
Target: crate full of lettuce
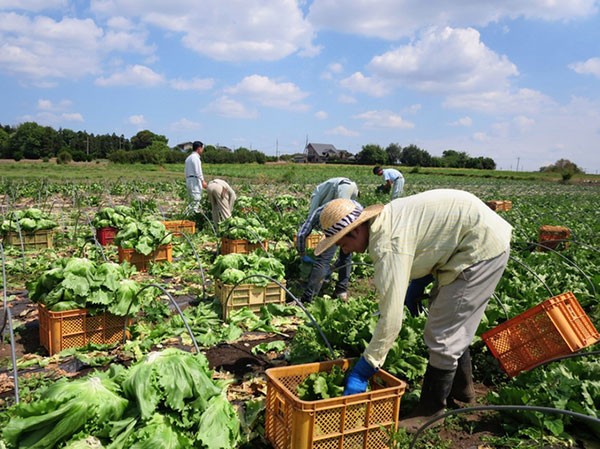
(243, 235)
(247, 280)
(80, 302)
(32, 227)
(108, 220)
(144, 241)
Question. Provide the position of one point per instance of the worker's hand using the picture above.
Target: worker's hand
(308, 259)
(204, 184)
(358, 378)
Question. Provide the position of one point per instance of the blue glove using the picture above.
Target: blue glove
(308, 259)
(358, 378)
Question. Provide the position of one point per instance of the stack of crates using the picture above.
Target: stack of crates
(556, 327)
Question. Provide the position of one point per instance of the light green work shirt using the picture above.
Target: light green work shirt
(441, 232)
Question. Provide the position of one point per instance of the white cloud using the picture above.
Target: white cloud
(357, 82)
(228, 107)
(502, 102)
(346, 99)
(225, 30)
(185, 124)
(383, 119)
(134, 75)
(72, 117)
(193, 84)
(395, 19)
(321, 115)
(137, 120)
(342, 131)
(40, 47)
(32, 5)
(48, 105)
(267, 92)
(335, 68)
(589, 67)
(463, 121)
(444, 60)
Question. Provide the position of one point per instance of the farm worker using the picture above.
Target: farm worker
(326, 191)
(450, 234)
(393, 180)
(222, 198)
(194, 179)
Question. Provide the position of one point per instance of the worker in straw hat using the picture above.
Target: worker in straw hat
(450, 234)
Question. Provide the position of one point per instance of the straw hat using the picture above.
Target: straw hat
(341, 216)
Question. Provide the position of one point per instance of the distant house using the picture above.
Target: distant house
(184, 147)
(323, 152)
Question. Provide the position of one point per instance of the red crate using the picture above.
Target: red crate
(556, 327)
(229, 246)
(164, 253)
(76, 328)
(105, 236)
(361, 421)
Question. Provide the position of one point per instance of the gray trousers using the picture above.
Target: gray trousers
(456, 309)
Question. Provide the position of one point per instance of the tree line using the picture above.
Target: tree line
(32, 141)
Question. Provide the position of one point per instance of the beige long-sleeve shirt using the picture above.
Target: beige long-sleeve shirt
(441, 232)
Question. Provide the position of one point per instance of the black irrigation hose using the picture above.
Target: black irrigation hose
(569, 261)
(8, 319)
(501, 408)
(185, 323)
(199, 263)
(296, 300)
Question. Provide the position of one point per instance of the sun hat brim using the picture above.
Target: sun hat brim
(367, 213)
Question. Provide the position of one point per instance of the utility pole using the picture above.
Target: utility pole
(518, 163)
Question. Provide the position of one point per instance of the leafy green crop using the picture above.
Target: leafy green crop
(238, 228)
(144, 236)
(322, 385)
(233, 268)
(29, 220)
(78, 283)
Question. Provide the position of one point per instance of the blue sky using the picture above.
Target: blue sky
(514, 80)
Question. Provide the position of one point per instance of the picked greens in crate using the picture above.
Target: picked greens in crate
(238, 228)
(79, 283)
(144, 235)
(29, 220)
(233, 268)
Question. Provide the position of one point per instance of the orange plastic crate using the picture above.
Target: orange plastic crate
(248, 295)
(229, 246)
(311, 241)
(179, 227)
(556, 327)
(105, 236)
(75, 329)
(553, 236)
(164, 253)
(31, 240)
(499, 205)
(360, 421)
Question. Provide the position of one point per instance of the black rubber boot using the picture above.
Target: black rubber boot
(462, 387)
(437, 384)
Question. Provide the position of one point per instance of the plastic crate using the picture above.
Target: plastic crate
(556, 327)
(179, 227)
(106, 235)
(164, 253)
(229, 246)
(355, 421)
(499, 205)
(311, 241)
(553, 237)
(31, 240)
(248, 295)
(75, 329)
